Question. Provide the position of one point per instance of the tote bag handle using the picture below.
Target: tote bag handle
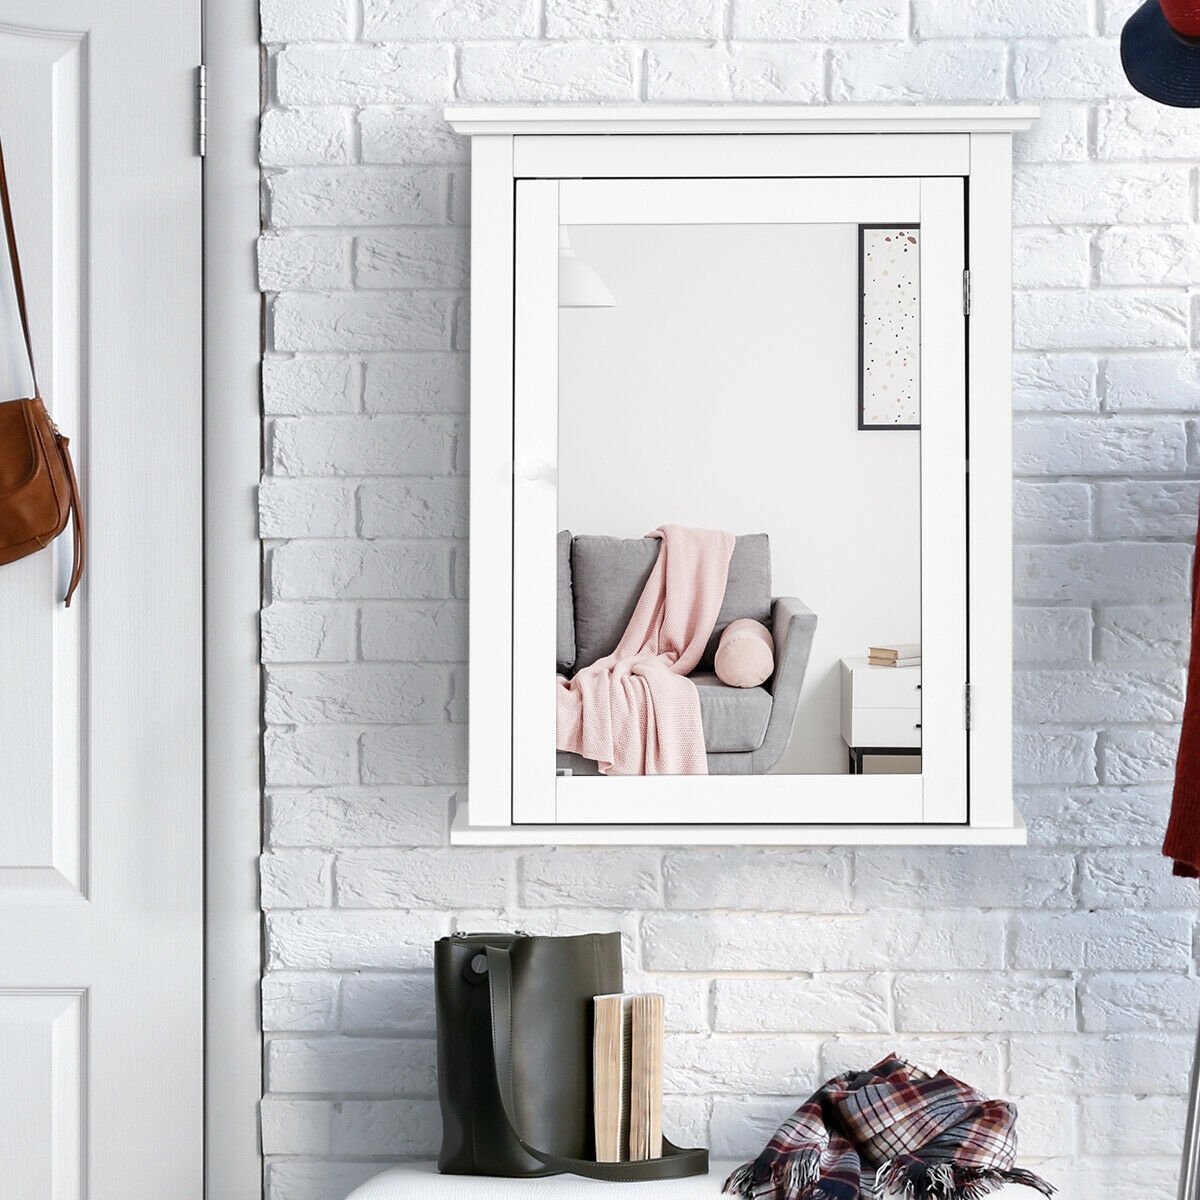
(675, 1163)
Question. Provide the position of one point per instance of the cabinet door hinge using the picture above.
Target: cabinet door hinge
(966, 293)
(201, 110)
(967, 707)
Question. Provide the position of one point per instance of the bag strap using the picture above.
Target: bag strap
(14, 260)
(675, 1162)
(79, 535)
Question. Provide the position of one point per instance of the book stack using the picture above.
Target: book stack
(902, 654)
(628, 1076)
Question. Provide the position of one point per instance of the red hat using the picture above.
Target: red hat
(1160, 51)
(1183, 16)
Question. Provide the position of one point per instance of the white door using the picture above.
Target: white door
(100, 705)
(627, 413)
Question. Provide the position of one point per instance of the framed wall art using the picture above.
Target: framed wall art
(889, 271)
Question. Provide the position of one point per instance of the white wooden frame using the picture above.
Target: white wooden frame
(939, 793)
(232, 597)
(535, 497)
(489, 751)
(944, 598)
(989, 455)
(969, 143)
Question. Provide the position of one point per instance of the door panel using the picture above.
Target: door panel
(42, 1099)
(41, 793)
(101, 838)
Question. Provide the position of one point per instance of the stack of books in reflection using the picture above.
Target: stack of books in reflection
(900, 654)
(628, 1076)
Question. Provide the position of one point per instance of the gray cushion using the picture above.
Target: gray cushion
(565, 645)
(734, 719)
(608, 575)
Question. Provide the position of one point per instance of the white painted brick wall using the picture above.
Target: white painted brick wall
(1062, 974)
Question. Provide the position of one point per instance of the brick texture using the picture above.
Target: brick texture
(1061, 975)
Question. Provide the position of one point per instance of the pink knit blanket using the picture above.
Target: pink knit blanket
(635, 712)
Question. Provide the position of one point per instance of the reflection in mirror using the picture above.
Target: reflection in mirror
(749, 397)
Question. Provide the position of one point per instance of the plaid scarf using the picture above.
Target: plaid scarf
(925, 1137)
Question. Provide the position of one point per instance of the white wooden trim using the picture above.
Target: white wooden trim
(464, 833)
(943, 502)
(724, 155)
(489, 736)
(990, 481)
(754, 799)
(535, 500)
(738, 201)
(735, 118)
(232, 596)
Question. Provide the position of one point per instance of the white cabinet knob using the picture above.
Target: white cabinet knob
(535, 470)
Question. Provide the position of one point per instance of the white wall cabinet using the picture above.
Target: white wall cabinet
(779, 321)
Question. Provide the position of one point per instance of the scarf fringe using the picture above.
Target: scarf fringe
(792, 1177)
(949, 1181)
(798, 1177)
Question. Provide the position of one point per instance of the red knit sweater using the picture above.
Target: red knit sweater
(1183, 829)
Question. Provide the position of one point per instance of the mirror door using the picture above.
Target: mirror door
(739, 502)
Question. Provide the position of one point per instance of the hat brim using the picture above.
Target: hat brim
(1157, 61)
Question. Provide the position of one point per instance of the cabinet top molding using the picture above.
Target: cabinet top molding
(740, 118)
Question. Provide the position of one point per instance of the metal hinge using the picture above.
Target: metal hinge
(967, 707)
(966, 293)
(201, 110)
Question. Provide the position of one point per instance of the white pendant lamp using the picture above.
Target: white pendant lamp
(579, 284)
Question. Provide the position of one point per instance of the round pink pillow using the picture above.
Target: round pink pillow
(745, 654)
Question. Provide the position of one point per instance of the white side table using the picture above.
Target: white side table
(881, 710)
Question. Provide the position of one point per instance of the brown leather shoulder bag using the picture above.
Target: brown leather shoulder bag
(38, 489)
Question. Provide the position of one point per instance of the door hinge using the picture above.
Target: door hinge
(967, 707)
(966, 293)
(201, 110)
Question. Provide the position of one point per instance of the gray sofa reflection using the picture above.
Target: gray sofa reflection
(746, 730)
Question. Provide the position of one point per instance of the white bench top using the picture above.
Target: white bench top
(423, 1179)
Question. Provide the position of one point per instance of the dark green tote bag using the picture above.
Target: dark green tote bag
(514, 1047)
